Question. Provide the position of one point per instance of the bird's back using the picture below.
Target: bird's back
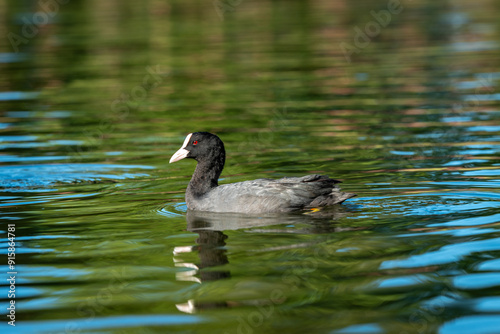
(267, 196)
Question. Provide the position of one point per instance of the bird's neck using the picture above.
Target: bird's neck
(206, 176)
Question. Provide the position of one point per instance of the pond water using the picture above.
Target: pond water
(400, 100)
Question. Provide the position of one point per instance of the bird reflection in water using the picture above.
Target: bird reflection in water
(211, 253)
(211, 243)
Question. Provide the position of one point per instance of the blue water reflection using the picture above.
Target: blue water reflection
(13, 96)
(446, 254)
(40, 177)
(478, 324)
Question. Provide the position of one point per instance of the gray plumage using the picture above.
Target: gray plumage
(267, 196)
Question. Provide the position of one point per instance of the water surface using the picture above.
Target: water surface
(97, 100)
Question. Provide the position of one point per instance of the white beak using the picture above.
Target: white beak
(182, 152)
(179, 155)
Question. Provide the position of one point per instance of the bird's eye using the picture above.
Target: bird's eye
(195, 142)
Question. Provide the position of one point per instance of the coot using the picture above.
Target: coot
(253, 197)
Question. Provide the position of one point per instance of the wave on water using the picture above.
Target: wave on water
(42, 177)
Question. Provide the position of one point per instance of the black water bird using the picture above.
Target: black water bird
(251, 197)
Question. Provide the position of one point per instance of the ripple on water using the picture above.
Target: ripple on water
(100, 323)
(475, 281)
(446, 254)
(477, 324)
(364, 328)
(18, 96)
(431, 203)
(41, 177)
(487, 304)
(489, 265)
(173, 210)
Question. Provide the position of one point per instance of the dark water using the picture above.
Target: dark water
(398, 100)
